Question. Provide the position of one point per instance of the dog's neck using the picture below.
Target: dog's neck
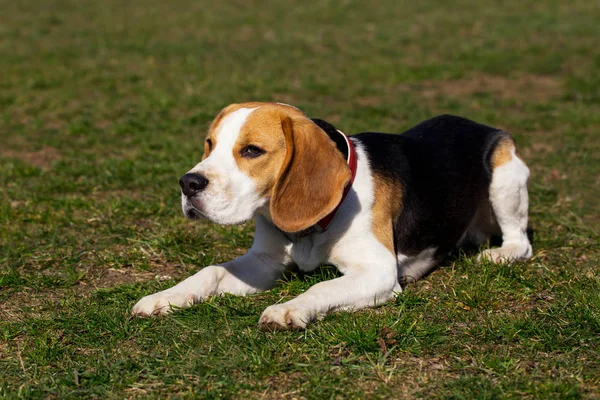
(344, 146)
(334, 134)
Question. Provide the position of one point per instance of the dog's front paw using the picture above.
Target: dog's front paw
(285, 316)
(162, 303)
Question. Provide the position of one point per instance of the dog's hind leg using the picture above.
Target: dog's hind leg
(509, 200)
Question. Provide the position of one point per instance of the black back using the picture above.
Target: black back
(443, 166)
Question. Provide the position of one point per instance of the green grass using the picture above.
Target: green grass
(103, 106)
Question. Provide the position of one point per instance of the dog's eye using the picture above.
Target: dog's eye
(209, 143)
(252, 151)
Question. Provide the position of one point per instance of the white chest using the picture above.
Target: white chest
(307, 253)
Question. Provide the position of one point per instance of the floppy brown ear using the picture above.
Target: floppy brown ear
(312, 179)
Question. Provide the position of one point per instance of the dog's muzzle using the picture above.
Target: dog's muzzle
(191, 185)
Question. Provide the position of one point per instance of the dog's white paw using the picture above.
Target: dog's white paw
(285, 316)
(509, 252)
(162, 303)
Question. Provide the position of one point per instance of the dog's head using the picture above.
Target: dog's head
(266, 157)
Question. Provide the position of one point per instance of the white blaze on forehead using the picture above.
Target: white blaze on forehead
(228, 130)
(226, 134)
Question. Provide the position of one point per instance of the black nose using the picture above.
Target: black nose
(192, 184)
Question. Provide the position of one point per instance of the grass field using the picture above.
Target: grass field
(104, 105)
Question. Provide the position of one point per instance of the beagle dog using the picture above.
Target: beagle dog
(383, 208)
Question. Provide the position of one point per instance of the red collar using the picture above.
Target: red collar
(352, 161)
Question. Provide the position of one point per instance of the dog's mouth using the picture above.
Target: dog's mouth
(192, 209)
(193, 214)
(212, 209)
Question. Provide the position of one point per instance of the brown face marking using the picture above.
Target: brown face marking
(502, 153)
(263, 129)
(212, 131)
(386, 209)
